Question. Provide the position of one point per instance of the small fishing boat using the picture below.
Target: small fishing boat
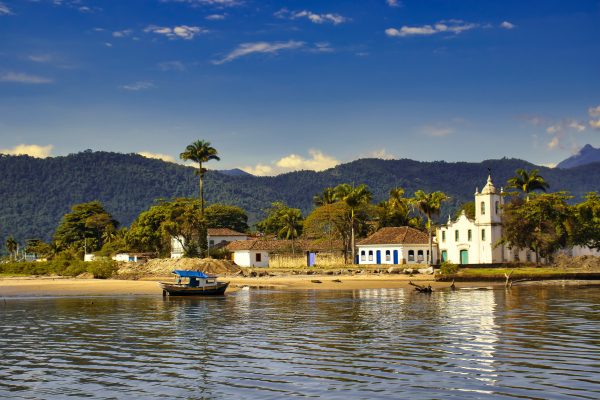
(198, 284)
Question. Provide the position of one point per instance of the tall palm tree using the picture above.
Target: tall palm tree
(429, 204)
(528, 182)
(200, 151)
(291, 218)
(12, 246)
(326, 197)
(354, 198)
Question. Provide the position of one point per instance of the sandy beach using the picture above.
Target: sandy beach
(47, 286)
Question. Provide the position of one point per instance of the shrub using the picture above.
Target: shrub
(447, 268)
(102, 269)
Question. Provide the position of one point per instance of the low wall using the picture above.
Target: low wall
(300, 261)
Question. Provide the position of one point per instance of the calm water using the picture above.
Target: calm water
(530, 342)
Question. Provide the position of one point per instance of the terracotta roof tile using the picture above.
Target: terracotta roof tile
(396, 235)
(224, 232)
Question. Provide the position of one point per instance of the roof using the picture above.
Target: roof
(396, 235)
(284, 246)
(224, 232)
(190, 274)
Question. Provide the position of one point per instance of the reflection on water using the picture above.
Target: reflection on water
(529, 342)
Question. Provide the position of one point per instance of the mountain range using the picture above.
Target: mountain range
(587, 155)
(35, 193)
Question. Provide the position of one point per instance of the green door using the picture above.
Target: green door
(444, 256)
(464, 256)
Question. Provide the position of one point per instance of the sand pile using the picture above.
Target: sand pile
(160, 267)
(582, 262)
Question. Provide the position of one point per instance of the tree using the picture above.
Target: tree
(292, 223)
(274, 222)
(326, 197)
(329, 221)
(429, 204)
(354, 197)
(145, 233)
(468, 208)
(185, 224)
(528, 182)
(201, 152)
(83, 227)
(587, 222)
(543, 224)
(225, 216)
(12, 246)
(395, 211)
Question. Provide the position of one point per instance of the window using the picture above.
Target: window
(482, 208)
(388, 255)
(497, 207)
(483, 234)
(528, 257)
(370, 255)
(411, 255)
(363, 256)
(258, 257)
(443, 236)
(469, 235)
(420, 255)
(456, 236)
(211, 243)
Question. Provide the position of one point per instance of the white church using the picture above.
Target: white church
(467, 241)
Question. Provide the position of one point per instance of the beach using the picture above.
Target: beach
(48, 286)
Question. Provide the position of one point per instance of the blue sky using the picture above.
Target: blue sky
(283, 85)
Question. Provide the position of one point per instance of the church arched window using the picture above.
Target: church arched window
(482, 208)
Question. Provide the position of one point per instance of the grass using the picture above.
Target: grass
(498, 274)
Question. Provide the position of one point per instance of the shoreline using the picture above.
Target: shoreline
(15, 287)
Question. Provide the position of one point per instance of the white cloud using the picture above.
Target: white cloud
(40, 58)
(507, 25)
(210, 3)
(178, 32)
(246, 49)
(107, 44)
(171, 66)
(32, 150)
(394, 3)
(595, 123)
(137, 86)
(19, 77)
(123, 33)
(553, 143)
(322, 47)
(158, 156)
(454, 26)
(331, 18)
(577, 126)
(317, 161)
(4, 10)
(437, 130)
(215, 17)
(594, 111)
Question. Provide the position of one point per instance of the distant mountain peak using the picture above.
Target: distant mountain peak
(234, 172)
(586, 155)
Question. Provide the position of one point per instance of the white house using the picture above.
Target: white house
(251, 253)
(396, 245)
(217, 237)
(260, 252)
(467, 241)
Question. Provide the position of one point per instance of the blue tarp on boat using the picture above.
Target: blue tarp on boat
(190, 274)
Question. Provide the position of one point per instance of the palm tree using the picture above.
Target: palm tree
(354, 198)
(528, 182)
(291, 218)
(12, 246)
(200, 151)
(429, 204)
(326, 197)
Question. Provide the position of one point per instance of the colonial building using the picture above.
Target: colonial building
(273, 252)
(396, 245)
(467, 241)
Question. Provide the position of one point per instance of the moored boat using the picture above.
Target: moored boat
(198, 284)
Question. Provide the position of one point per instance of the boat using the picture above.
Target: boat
(198, 284)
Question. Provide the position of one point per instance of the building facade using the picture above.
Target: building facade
(396, 245)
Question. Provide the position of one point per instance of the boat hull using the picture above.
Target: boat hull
(170, 289)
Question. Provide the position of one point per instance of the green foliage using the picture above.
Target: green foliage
(278, 219)
(224, 216)
(544, 223)
(102, 269)
(528, 182)
(39, 248)
(468, 208)
(86, 224)
(396, 211)
(429, 204)
(128, 184)
(201, 152)
(447, 268)
(587, 222)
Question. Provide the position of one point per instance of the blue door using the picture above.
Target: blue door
(444, 256)
(395, 256)
(378, 256)
(312, 259)
(464, 257)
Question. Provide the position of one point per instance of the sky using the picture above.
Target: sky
(277, 86)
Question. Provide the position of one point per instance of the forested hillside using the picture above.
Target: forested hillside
(35, 193)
